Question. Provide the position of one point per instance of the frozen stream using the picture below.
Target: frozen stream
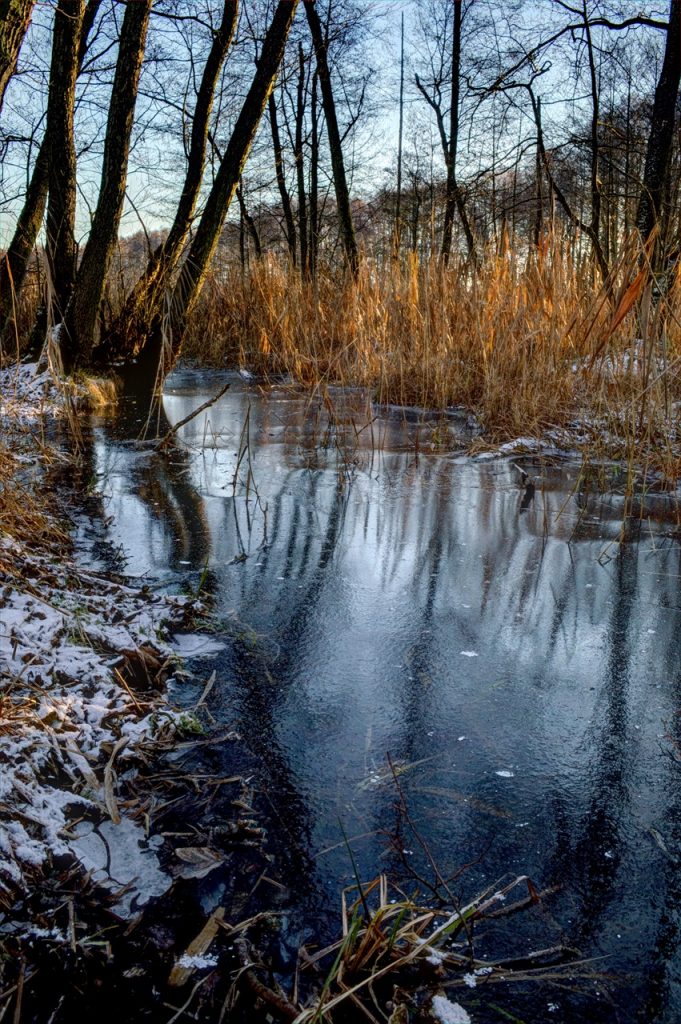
(499, 643)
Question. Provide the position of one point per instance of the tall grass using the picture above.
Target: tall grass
(526, 344)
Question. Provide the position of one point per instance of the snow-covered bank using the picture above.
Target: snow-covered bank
(83, 664)
(74, 648)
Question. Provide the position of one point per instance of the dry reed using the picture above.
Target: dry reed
(525, 344)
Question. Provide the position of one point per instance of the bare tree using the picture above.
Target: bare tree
(289, 223)
(334, 137)
(15, 262)
(444, 71)
(194, 269)
(164, 260)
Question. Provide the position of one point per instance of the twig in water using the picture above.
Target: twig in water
(417, 836)
(169, 435)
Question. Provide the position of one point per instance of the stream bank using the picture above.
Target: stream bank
(402, 637)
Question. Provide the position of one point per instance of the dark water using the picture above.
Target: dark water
(511, 648)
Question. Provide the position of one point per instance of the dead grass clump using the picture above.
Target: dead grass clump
(23, 513)
(98, 392)
(391, 943)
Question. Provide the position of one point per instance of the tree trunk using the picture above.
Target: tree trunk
(333, 133)
(194, 268)
(314, 178)
(14, 264)
(82, 315)
(300, 163)
(539, 197)
(596, 198)
(658, 154)
(13, 267)
(250, 224)
(281, 179)
(557, 192)
(62, 251)
(147, 294)
(15, 16)
(397, 233)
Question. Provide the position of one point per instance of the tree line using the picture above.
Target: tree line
(339, 134)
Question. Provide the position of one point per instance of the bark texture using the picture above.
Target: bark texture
(454, 198)
(172, 247)
(15, 16)
(62, 251)
(659, 151)
(290, 226)
(83, 312)
(300, 162)
(147, 294)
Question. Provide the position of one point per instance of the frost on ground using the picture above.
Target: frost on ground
(83, 661)
(28, 393)
(71, 643)
(446, 1012)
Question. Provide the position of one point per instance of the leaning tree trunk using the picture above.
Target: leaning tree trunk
(62, 251)
(146, 296)
(195, 267)
(15, 16)
(15, 263)
(557, 192)
(334, 137)
(659, 151)
(83, 312)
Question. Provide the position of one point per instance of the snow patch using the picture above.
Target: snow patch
(193, 645)
(197, 963)
(447, 1012)
(119, 857)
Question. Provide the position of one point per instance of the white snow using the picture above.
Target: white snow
(27, 394)
(469, 654)
(530, 444)
(65, 709)
(196, 962)
(447, 1012)
(193, 645)
(119, 856)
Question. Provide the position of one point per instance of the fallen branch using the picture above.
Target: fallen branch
(170, 434)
